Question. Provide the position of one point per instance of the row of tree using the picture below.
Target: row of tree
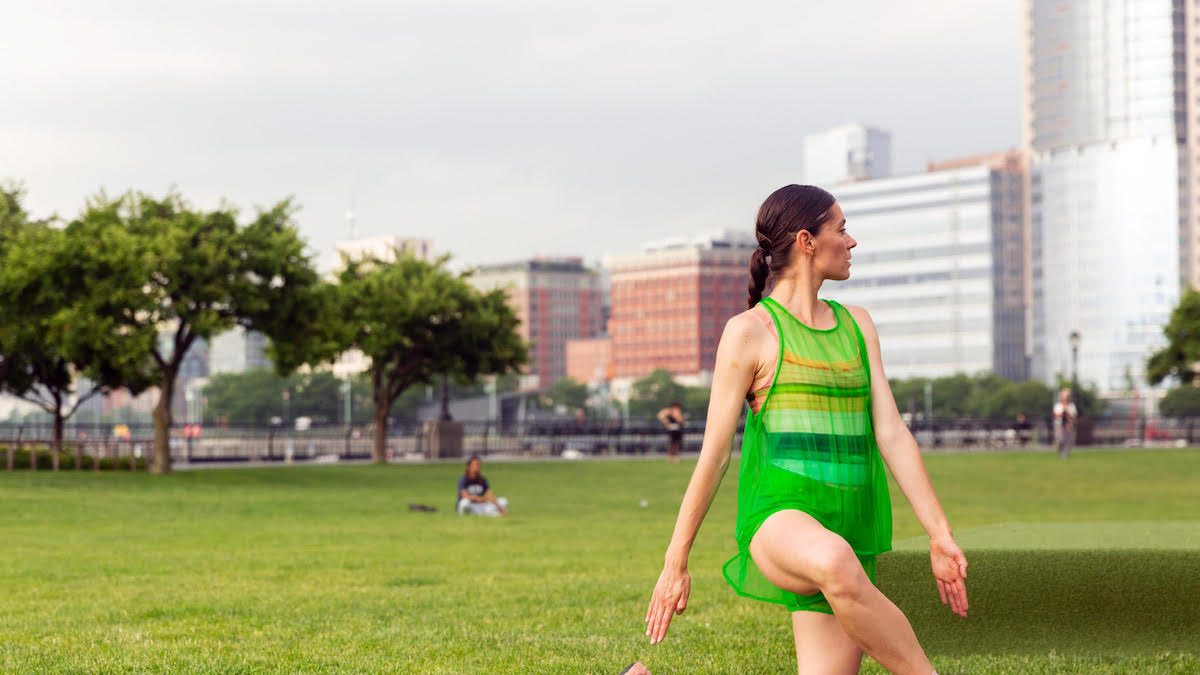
(117, 296)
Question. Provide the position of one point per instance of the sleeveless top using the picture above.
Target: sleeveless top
(811, 446)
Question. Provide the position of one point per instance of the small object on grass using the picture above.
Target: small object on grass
(635, 668)
(644, 503)
(422, 507)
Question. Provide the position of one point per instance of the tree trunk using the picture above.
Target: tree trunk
(161, 462)
(382, 406)
(446, 398)
(32, 451)
(58, 436)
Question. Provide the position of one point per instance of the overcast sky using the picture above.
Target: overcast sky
(498, 129)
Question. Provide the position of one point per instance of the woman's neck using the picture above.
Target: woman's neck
(798, 294)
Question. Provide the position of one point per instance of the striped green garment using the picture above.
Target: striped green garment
(811, 447)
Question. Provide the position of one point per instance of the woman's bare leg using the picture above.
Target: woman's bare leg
(822, 647)
(796, 553)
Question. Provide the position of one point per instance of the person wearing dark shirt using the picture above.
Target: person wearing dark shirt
(475, 493)
(673, 419)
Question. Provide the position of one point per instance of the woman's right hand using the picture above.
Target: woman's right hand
(670, 597)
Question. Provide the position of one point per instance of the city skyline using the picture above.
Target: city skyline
(569, 130)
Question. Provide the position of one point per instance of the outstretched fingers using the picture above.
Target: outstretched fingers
(658, 619)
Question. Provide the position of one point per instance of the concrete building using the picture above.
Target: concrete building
(671, 301)
(557, 300)
(845, 154)
(384, 248)
(1106, 128)
(941, 266)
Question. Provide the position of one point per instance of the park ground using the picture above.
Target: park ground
(1081, 566)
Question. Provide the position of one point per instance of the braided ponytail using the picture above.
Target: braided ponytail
(758, 276)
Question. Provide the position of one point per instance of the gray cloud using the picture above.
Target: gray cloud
(498, 129)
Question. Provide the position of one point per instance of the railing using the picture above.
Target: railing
(412, 441)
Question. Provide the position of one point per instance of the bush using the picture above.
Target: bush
(66, 458)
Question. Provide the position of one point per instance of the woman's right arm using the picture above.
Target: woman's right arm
(737, 360)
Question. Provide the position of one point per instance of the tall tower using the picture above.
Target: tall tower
(1102, 87)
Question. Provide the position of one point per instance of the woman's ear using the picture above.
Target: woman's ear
(805, 243)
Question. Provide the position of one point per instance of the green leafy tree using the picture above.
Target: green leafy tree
(1182, 402)
(1182, 353)
(569, 393)
(152, 276)
(1006, 399)
(255, 396)
(695, 402)
(654, 392)
(41, 360)
(417, 322)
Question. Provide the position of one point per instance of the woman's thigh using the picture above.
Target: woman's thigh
(822, 647)
(794, 551)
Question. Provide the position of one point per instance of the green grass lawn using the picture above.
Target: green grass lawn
(1086, 566)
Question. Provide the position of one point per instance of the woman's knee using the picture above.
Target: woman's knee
(838, 571)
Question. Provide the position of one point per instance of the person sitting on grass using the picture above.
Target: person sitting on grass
(475, 496)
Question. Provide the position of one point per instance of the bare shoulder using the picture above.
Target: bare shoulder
(747, 325)
(865, 323)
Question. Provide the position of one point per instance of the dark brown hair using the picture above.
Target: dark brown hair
(788, 210)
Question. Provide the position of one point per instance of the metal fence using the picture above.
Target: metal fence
(412, 441)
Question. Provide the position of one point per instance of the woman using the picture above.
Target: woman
(813, 507)
(475, 495)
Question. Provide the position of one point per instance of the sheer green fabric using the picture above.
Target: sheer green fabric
(811, 447)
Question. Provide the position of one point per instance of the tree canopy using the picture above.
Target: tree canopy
(149, 276)
(1181, 354)
(417, 321)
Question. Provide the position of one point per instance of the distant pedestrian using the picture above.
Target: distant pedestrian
(1065, 415)
(475, 496)
(673, 419)
(1022, 427)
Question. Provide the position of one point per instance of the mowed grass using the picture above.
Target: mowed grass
(1091, 565)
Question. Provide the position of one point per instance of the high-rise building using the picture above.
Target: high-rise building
(847, 153)
(1106, 131)
(671, 301)
(941, 266)
(236, 351)
(556, 299)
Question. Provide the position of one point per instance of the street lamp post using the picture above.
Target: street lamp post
(1074, 339)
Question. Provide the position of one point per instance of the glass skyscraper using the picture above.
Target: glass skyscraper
(1105, 140)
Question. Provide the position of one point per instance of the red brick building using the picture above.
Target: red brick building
(557, 299)
(670, 303)
(590, 359)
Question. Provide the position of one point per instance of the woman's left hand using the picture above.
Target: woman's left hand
(950, 572)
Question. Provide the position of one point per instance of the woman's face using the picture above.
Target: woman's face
(831, 246)
(473, 468)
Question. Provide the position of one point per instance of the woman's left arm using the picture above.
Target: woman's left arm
(903, 456)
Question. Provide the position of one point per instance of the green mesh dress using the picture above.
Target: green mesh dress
(811, 447)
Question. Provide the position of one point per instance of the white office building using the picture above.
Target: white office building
(940, 265)
(847, 153)
(236, 351)
(1104, 127)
